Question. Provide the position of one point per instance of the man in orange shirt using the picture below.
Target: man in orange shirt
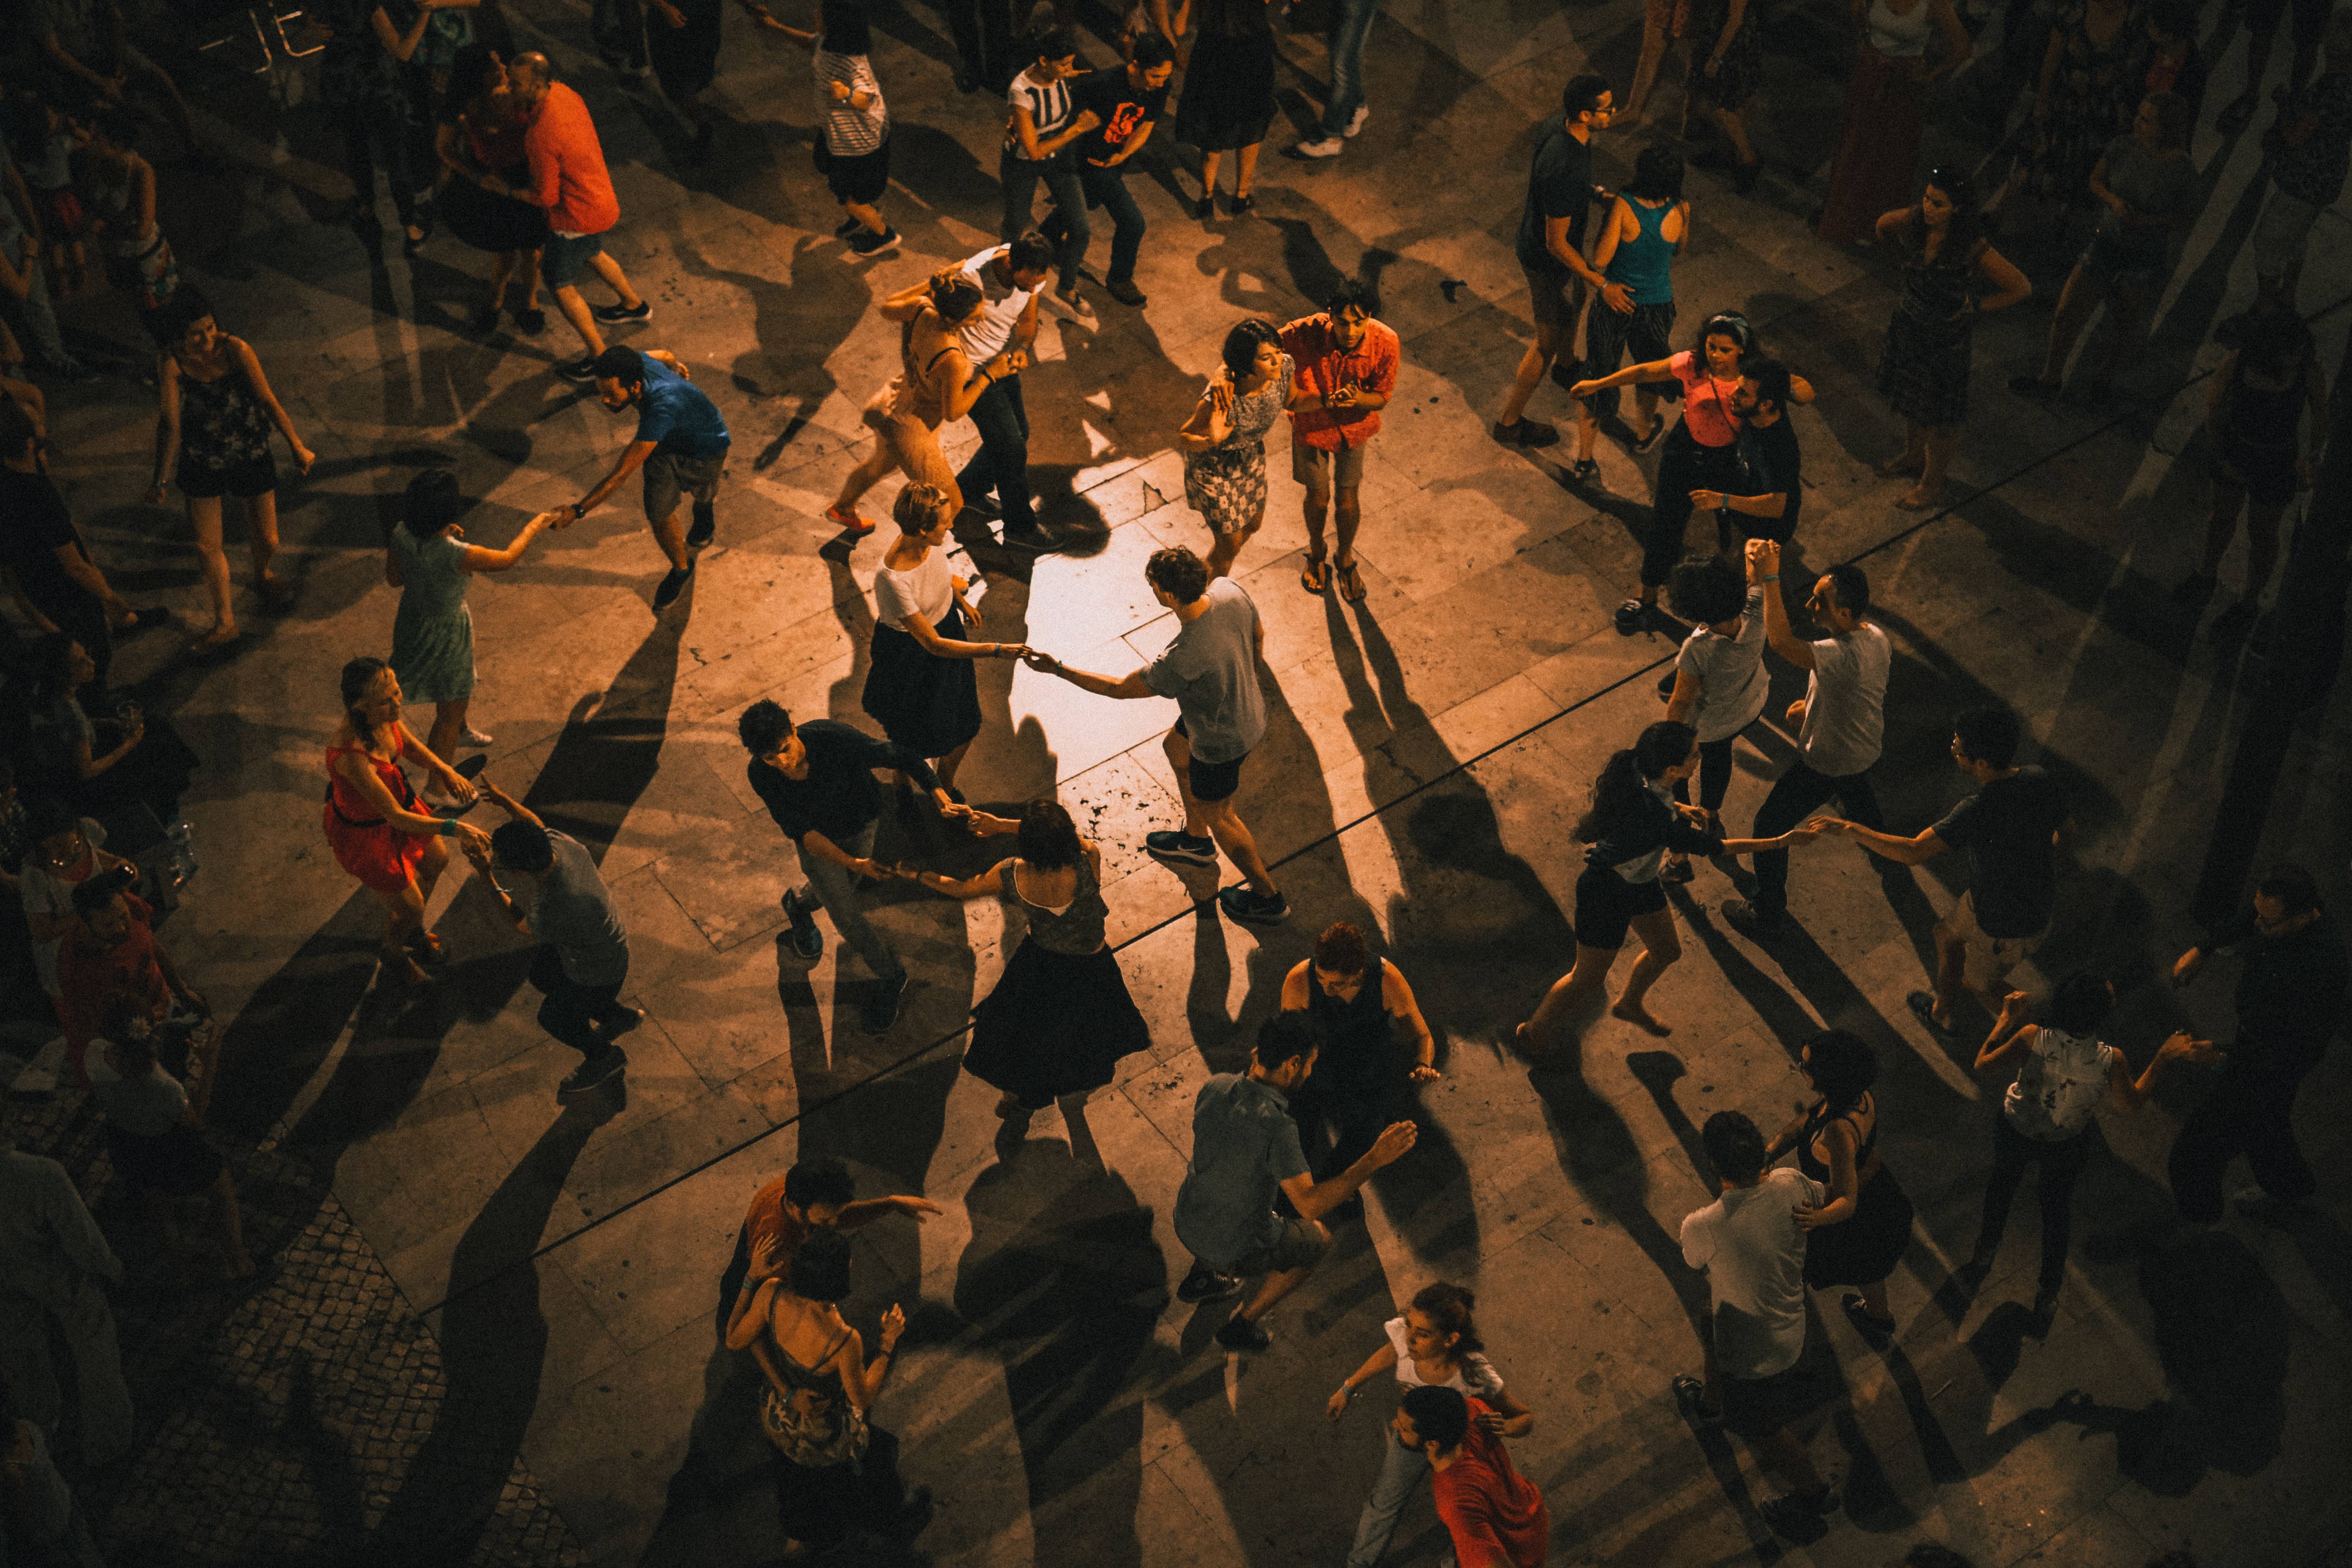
(569, 179)
(1495, 1515)
(814, 1194)
(1346, 368)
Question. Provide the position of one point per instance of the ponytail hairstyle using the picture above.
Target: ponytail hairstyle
(358, 678)
(1624, 780)
(1449, 1307)
(920, 508)
(953, 294)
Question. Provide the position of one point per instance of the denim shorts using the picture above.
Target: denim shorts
(561, 260)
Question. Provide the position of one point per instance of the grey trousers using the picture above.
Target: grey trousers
(835, 888)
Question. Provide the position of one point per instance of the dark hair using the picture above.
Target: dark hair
(1055, 42)
(1349, 294)
(46, 816)
(1843, 1067)
(2082, 1001)
(2275, 337)
(1582, 92)
(842, 27)
(1243, 342)
(819, 1179)
(168, 323)
(622, 363)
(524, 845)
(1048, 838)
(1033, 252)
(1967, 223)
(1706, 591)
(1439, 1415)
(1341, 949)
(1178, 572)
(360, 674)
(101, 888)
(1283, 1038)
(763, 727)
(1734, 1147)
(1771, 379)
(468, 71)
(1152, 50)
(1852, 585)
(16, 428)
(1987, 735)
(1623, 786)
(953, 294)
(1726, 324)
(821, 1266)
(431, 504)
(2291, 885)
(1658, 175)
(2173, 121)
(1450, 1307)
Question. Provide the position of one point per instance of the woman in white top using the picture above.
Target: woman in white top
(2062, 1073)
(1720, 684)
(921, 685)
(151, 1127)
(1878, 145)
(1434, 1345)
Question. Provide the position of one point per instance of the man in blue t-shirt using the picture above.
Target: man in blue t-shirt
(681, 444)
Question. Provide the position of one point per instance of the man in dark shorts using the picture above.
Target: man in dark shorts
(45, 559)
(1211, 671)
(681, 444)
(1767, 457)
(568, 178)
(1118, 109)
(1551, 253)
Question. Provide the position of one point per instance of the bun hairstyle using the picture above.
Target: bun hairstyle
(953, 294)
(920, 508)
(1449, 1309)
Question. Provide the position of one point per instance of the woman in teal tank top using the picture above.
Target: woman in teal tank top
(1636, 253)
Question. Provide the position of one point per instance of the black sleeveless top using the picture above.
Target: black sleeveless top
(1354, 1036)
(1816, 1122)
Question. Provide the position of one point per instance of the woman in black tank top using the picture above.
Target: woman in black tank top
(1860, 1231)
(1350, 996)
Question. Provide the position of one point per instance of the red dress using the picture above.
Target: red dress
(380, 854)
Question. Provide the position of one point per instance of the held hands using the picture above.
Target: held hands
(2182, 1049)
(478, 852)
(1044, 663)
(1764, 555)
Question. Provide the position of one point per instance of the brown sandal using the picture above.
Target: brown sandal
(1312, 577)
(1351, 583)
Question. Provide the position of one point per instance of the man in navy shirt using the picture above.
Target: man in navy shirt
(1118, 109)
(681, 444)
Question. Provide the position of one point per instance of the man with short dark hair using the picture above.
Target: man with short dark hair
(2012, 827)
(1010, 277)
(817, 781)
(1767, 457)
(1211, 671)
(582, 957)
(816, 1194)
(1551, 254)
(56, 586)
(1345, 372)
(1495, 1515)
(110, 951)
(1245, 1149)
(681, 443)
(1117, 111)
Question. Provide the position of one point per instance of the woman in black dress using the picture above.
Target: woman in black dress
(1859, 1234)
(1924, 372)
(1060, 1017)
(480, 137)
(1228, 95)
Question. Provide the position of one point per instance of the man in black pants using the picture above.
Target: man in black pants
(2290, 1001)
(1009, 277)
(985, 47)
(1119, 109)
(1769, 459)
(56, 586)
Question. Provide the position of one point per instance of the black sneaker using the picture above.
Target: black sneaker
(1205, 1284)
(866, 242)
(1633, 616)
(1124, 291)
(617, 315)
(533, 322)
(671, 587)
(1254, 907)
(846, 227)
(591, 1074)
(1566, 371)
(1240, 1335)
(881, 1008)
(485, 320)
(1030, 538)
(622, 1022)
(583, 369)
(1755, 924)
(706, 524)
(1800, 1519)
(1181, 845)
(807, 940)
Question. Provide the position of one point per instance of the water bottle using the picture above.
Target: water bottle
(184, 850)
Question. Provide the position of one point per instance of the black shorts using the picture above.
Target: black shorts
(2266, 473)
(861, 179)
(1212, 780)
(1755, 1407)
(1607, 905)
(245, 480)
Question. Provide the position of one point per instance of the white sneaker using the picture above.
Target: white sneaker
(473, 737)
(1077, 310)
(1328, 147)
(1356, 121)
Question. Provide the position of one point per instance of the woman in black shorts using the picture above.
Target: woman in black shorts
(2260, 461)
(1633, 822)
(217, 412)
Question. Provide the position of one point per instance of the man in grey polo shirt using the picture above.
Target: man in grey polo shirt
(1211, 670)
(1245, 1149)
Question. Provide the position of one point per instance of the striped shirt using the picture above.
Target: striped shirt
(850, 133)
(1048, 103)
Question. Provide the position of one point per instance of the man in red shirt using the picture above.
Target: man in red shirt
(1495, 1515)
(568, 178)
(1346, 366)
(111, 950)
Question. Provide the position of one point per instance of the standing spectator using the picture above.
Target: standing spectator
(1663, 21)
(1886, 100)
(111, 953)
(1345, 110)
(1750, 1242)
(2174, 64)
(2091, 80)
(1228, 99)
(1550, 248)
(211, 438)
(1435, 1344)
(1212, 670)
(1038, 136)
(921, 685)
(1495, 1516)
(1009, 277)
(582, 959)
(854, 151)
(1223, 442)
(1724, 78)
(54, 1263)
(24, 283)
(121, 188)
(2062, 1074)
(1923, 372)
(1639, 240)
(43, 141)
(56, 586)
(681, 444)
(936, 384)
(2261, 19)
(1244, 1150)
(152, 1124)
(1060, 1019)
(1345, 372)
(568, 179)
(2290, 1004)
(1355, 1000)
(427, 558)
(682, 46)
(2310, 151)
(1841, 720)
(480, 136)
(618, 29)
(2253, 418)
(986, 45)
(2147, 191)
(1719, 683)
(362, 81)
(1118, 109)
(2012, 827)
(817, 781)
(91, 56)
(1857, 1235)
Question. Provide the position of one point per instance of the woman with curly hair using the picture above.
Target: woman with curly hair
(1224, 440)
(1858, 1236)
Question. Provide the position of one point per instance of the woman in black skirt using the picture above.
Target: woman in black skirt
(1228, 95)
(480, 137)
(1060, 1016)
(921, 687)
(1858, 1236)
(151, 1132)
(1924, 372)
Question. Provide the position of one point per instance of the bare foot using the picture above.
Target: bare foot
(1919, 498)
(219, 637)
(1635, 1014)
(1902, 463)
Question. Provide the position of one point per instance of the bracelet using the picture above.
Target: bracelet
(448, 827)
(1347, 1392)
(1771, 577)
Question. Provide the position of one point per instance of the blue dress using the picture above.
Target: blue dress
(433, 634)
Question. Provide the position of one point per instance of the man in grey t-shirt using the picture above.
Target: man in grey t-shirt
(583, 951)
(1211, 670)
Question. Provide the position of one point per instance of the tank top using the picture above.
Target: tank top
(1354, 1034)
(354, 809)
(820, 1379)
(1643, 263)
(221, 421)
(912, 396)
(1076, 929)
(1816, 1122)
(1899, 37)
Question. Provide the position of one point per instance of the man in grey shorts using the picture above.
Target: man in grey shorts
(681, 444)
(1245, 1149)
(1347, 369)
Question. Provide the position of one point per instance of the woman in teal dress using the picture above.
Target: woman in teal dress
(427, 559)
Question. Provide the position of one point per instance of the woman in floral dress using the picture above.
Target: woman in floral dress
(2093, 78)
(1224, 440)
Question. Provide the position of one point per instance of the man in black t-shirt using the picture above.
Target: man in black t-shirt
(1769, 460)
(1551, 253)
(58, 587)
(1118, 109)
(2011, 828)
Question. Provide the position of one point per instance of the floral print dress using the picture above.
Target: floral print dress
(1226, 483)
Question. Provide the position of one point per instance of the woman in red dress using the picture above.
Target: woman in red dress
(372, 818)
(1878, 145)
